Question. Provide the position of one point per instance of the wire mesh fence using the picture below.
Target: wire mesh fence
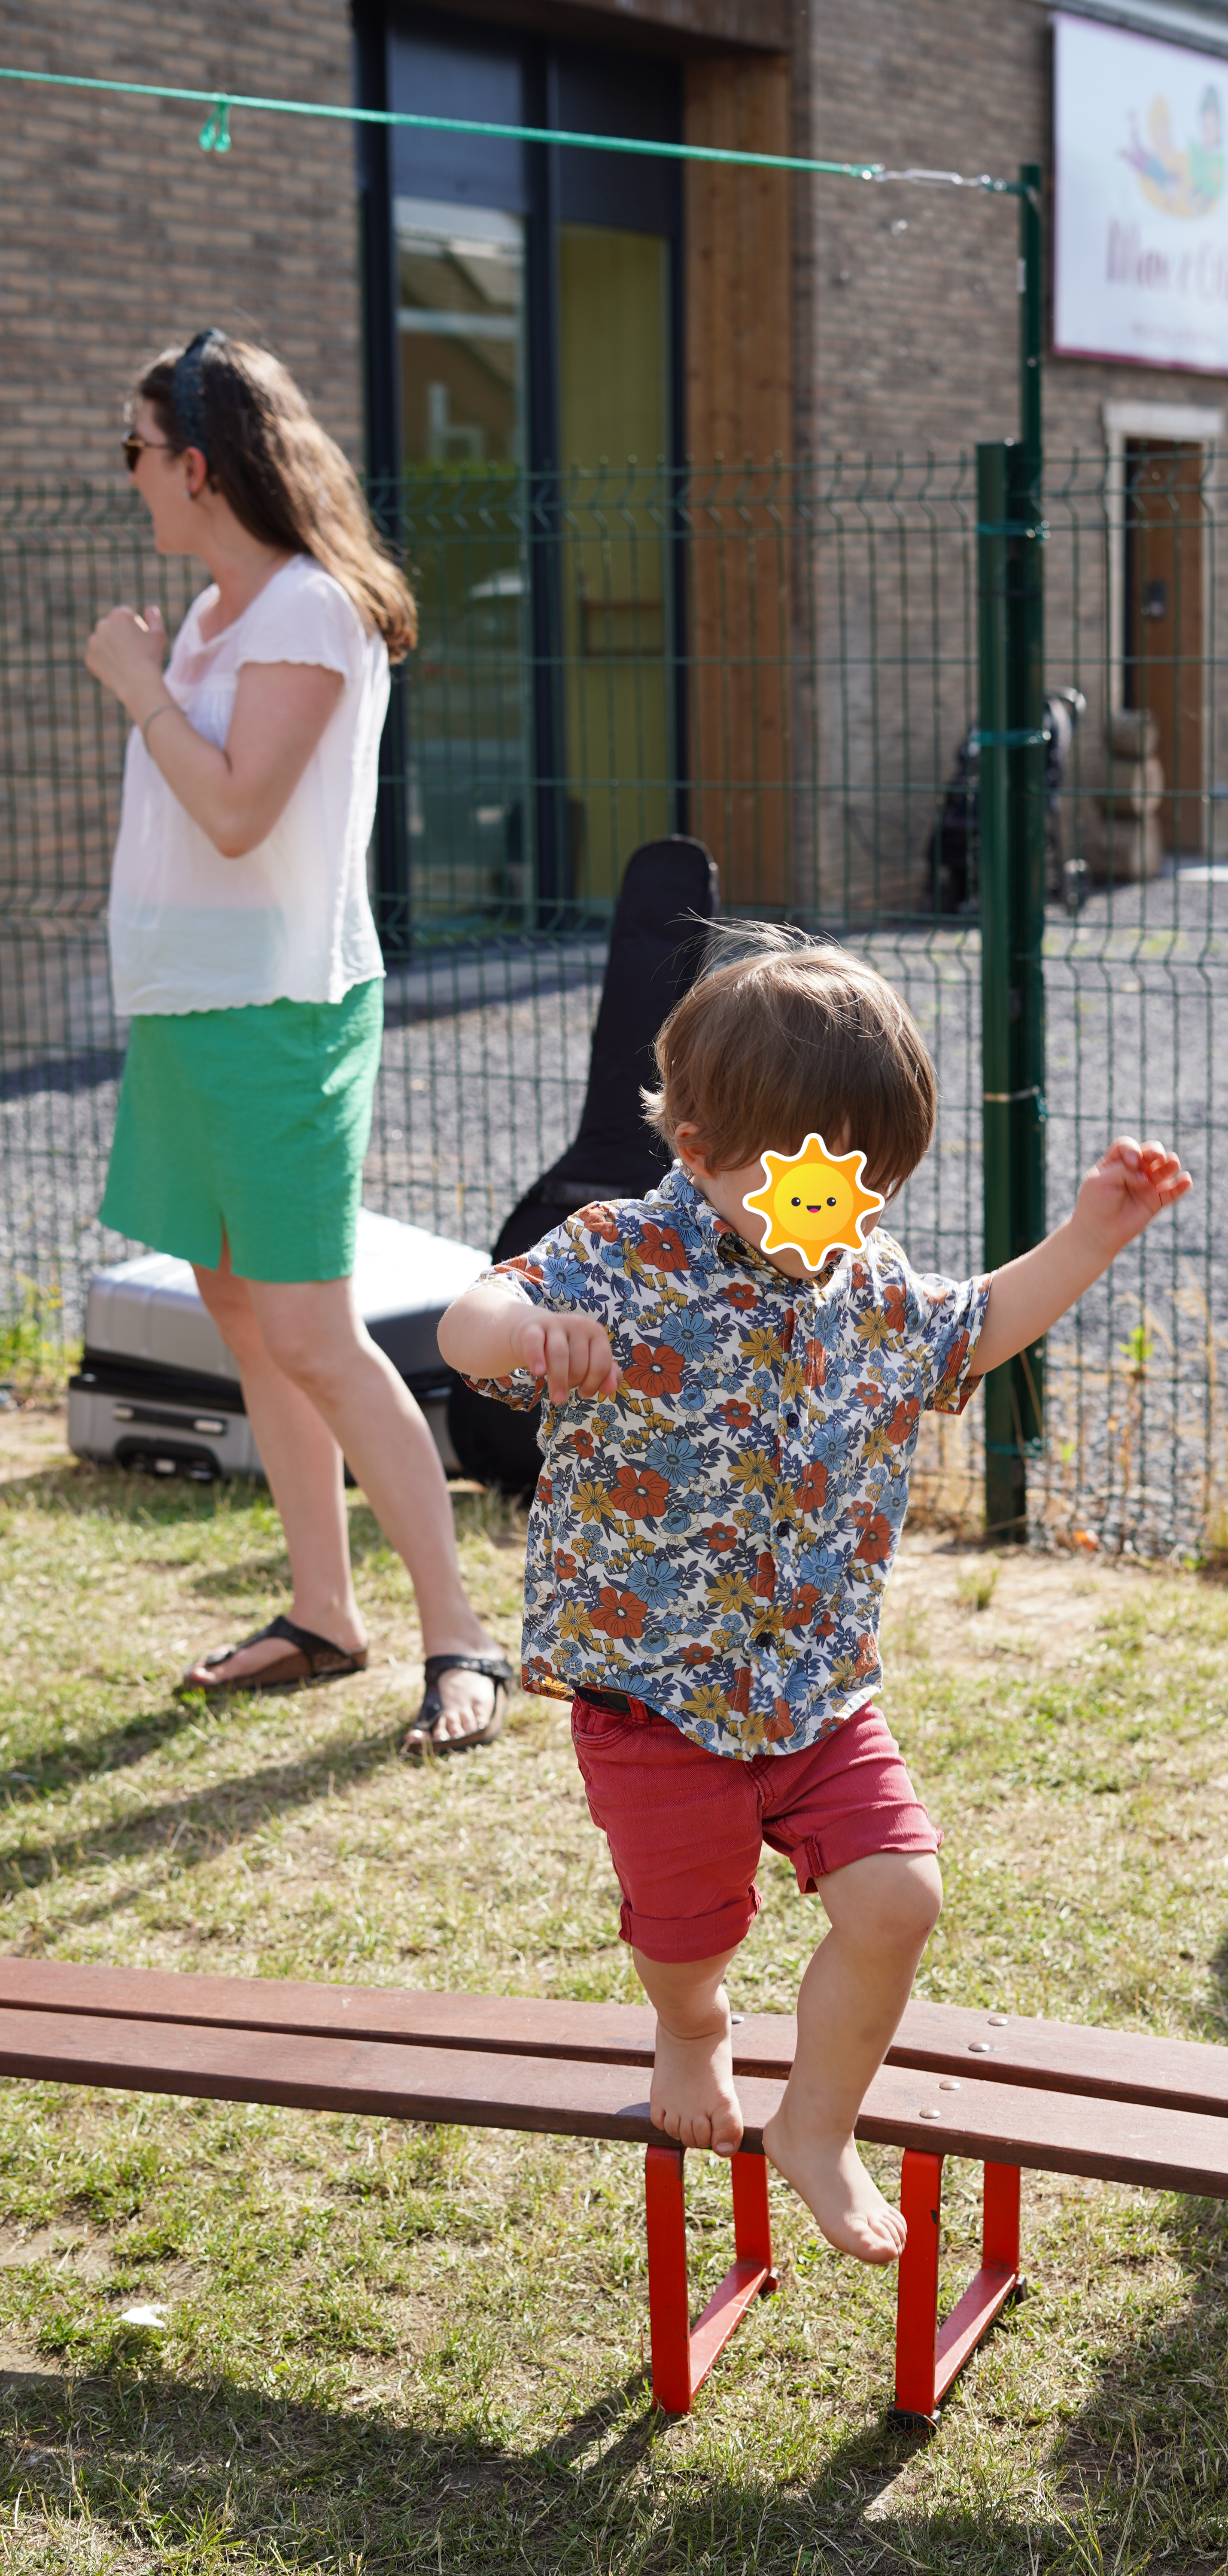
(784, 663)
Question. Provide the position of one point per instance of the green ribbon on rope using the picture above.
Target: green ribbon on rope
(215, 132)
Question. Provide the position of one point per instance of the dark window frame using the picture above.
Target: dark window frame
(542, 58)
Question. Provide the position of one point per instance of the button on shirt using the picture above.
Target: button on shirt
(716, 1537)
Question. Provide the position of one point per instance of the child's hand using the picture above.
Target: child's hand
(567, 1350)
(1130, 1185)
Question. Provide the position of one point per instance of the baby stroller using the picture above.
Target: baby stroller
(953, 850)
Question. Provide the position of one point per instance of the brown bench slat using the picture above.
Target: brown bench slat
(1071, 2133)
(515, 2025)
(1064, 2057)
(1186, 2075)
(1008, 2124)
(481, 2088)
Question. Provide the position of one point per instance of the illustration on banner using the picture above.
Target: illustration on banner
(1180, 181)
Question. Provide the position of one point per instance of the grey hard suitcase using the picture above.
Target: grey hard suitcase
(157, 1388)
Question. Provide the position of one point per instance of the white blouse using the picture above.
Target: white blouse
(192, 931)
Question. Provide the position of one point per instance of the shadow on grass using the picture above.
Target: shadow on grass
(767, 2479)
(114, 1748)
(118, 1748)
(213, 1818)
(180, 2464)
(1142, 2469)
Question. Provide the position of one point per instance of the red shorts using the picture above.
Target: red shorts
(685, 1826)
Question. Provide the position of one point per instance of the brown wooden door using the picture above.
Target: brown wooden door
(1165, 525)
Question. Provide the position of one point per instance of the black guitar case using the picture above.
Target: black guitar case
(657, 946)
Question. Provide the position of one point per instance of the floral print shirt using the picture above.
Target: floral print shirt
(715, 1539)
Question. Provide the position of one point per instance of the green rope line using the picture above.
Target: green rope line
(215, 132)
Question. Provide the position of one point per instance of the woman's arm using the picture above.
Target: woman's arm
(1129, 1186)
(237, 793)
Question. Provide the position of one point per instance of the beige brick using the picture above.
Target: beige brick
(128, 235)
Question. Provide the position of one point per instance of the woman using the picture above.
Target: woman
(243, 949)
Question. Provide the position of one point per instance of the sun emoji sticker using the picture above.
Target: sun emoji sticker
(813, 1202)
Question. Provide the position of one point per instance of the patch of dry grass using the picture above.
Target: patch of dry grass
(421, 2349)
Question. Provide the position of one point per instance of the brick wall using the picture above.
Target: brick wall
(120, 234)
(915, 328)
(907, 340)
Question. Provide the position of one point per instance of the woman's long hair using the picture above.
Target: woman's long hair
(285, 479)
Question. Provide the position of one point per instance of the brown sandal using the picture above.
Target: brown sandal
(494, 1668)
(311, 1659)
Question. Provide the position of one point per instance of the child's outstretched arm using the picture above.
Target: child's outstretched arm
(1129, 1186)
(489, 1333)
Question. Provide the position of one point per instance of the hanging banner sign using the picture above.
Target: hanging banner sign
(1140, 255)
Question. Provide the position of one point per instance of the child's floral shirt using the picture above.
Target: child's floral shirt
(716, 1537)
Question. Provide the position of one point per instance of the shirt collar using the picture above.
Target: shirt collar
(723, 1243)
(720, 1240)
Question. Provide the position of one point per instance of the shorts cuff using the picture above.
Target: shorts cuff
(694, 1936)
(907, 1830)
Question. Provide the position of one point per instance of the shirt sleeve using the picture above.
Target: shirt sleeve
(950, 1314)
(565, 1272)
(307, 620)
(940, 1321)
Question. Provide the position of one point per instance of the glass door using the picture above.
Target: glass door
(614, 384)
(460, 325)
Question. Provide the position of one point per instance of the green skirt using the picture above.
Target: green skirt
(248, 1126)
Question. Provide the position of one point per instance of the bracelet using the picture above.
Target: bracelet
(169, 706)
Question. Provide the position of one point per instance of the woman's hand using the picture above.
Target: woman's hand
(236, 792)
(126, 653)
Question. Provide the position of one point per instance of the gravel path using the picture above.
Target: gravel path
(473, 1102)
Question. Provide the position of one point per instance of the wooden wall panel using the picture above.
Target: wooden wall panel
(738, 421)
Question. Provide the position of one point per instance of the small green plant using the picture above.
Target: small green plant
(976, 1590)
(1136, 1350)
(35, 1360)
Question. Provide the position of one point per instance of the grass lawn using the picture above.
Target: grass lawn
(422, 2349)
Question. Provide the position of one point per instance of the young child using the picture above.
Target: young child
(727, 1445)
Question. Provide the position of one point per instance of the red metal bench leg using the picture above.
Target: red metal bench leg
(916, 2313)
(669, 2316)
(752, 2217)
(1000, 2219)
(928, 2361)
(682, 2358)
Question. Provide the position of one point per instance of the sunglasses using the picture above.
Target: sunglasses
(135, 445)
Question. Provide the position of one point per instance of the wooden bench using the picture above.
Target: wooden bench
(1010, 2093)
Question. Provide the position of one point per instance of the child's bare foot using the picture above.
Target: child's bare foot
(828, 2174)
(693, 2097)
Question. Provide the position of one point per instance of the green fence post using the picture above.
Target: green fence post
(1004, 1497)
(1012, 895)
(1026, 783)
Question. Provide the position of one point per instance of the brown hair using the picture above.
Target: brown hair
(285, 479)
(794, 1037)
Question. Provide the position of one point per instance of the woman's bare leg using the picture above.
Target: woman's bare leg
(306, 1479)
(314, 1341)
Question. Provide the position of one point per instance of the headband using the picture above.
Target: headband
(188, 389)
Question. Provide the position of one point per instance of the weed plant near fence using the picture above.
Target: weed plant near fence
(784, 662)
